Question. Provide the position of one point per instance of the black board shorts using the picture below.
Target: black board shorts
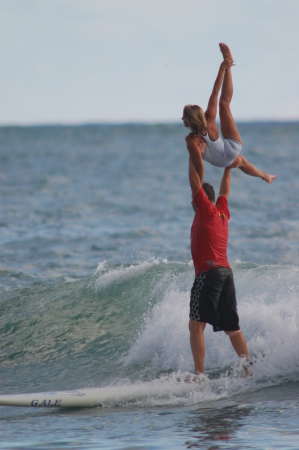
(213, 299)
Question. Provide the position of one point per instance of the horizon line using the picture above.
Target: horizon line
(129, 122)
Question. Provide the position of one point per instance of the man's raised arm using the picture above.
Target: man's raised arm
(225, 183)
(195, 147)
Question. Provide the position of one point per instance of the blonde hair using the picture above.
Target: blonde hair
(194, 118)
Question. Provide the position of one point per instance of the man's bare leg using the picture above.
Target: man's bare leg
(240, 346)
(197, 342)
(228, 126)
(238, 342)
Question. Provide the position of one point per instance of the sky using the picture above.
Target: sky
(82, 61)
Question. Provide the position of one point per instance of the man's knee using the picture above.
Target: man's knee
(196, 327)
(232, 333)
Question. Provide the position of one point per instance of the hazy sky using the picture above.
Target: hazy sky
(134, 60)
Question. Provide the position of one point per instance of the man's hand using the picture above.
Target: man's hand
(195, 139)
(196, 147)
(237, 162)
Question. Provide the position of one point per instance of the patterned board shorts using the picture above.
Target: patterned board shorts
(213, 299)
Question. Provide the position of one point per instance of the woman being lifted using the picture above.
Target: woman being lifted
(225, 151)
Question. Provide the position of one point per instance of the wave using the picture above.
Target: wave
(98, 314)
(129, 324)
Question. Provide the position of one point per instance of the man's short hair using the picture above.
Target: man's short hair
(209, 190)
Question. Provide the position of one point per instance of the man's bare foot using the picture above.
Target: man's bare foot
(246, 372)
(269, 178)
(196, 378)
(199, 378)
(226, 52)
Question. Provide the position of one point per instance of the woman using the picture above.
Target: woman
(220, 151)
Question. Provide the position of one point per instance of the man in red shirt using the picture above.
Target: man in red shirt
(213, 297)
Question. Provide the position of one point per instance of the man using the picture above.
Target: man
(213, 298)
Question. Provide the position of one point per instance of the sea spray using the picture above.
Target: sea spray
(128, 324)
(268, 316)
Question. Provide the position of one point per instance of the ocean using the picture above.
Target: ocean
(96, 273)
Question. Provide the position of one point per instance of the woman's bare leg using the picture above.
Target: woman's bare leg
(228, 125)
(211, 111)
(248, 168)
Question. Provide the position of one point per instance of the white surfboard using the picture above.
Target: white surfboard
(93, 397)
(80, 398)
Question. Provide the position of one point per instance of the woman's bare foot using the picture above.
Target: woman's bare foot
(269, 178)
(226, 52)
(226, 63)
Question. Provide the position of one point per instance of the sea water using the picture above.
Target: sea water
(96, 274)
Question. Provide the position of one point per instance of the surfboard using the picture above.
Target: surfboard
(79, 398)
(95, 397)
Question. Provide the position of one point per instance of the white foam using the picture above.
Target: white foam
(268, 308)
(107, 276)
(178, 388)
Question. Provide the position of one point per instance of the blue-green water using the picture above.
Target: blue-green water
(95, 279)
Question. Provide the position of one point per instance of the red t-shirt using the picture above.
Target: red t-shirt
(209, 233)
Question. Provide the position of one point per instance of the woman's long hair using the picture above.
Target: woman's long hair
(194, 118)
